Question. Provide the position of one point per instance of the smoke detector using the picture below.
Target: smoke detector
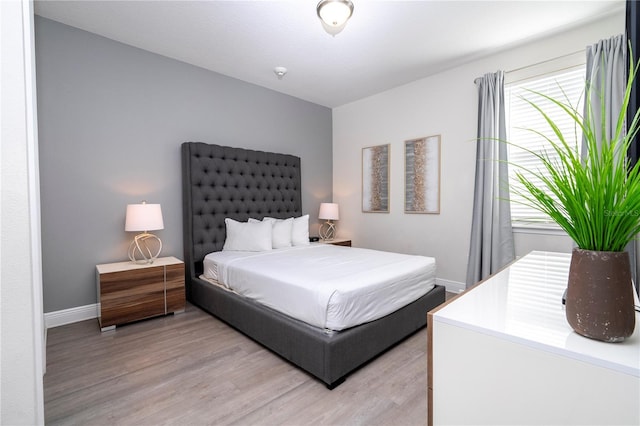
(280, 72)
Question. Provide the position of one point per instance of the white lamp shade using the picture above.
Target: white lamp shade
(329, 211)
(143, 217)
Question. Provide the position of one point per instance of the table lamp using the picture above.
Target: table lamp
(144, 217)
(329, 212)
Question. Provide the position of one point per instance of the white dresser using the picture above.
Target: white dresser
(503, 353)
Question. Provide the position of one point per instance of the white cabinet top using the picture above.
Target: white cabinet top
(523, 304)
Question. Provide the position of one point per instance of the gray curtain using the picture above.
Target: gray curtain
(607, 78)
(491, 245)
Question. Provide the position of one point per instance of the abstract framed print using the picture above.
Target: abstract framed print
(422, 175)
(375, 179)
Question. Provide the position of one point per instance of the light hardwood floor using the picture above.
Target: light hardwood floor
(192, 369)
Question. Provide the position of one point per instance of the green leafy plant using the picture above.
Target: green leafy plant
(595, 199)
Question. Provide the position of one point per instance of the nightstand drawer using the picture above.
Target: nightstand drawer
(131, 295)
(175, 288)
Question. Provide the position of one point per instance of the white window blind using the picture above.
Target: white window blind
(566, 85)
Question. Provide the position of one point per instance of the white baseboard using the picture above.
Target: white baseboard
(451, 286)
(71, 315)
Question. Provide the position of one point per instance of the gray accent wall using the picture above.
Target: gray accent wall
(111, 119)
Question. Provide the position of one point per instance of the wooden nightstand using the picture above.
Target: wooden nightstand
(337, 242)
(130, 292)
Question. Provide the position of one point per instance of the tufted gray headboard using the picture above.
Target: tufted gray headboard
(220, 182)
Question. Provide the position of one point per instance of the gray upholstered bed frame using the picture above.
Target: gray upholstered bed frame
(221, 182)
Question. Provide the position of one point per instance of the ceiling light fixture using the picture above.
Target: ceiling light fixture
(334, 14)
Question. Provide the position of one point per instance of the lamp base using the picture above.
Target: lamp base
(327, 231)
(139, 247)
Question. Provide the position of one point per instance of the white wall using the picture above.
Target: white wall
(444, 104)
(21, 319)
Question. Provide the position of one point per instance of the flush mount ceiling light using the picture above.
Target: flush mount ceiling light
(334, 14)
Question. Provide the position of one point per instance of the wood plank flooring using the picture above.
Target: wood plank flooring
(192, 369)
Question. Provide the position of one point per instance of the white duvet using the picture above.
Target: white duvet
(327, 286)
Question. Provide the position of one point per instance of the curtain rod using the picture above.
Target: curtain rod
(538, 63)
(545, 61)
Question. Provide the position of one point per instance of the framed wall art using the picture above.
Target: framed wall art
(375, 179)
(422, 175)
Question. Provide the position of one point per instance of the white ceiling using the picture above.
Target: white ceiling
(384, 45)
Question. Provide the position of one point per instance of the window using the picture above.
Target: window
(566, 85)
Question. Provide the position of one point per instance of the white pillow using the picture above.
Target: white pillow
(300, 231)
(281, 231)
(247, 236)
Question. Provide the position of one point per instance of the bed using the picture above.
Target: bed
(232, 183)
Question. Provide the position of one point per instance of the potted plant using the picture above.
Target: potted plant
(595, 198)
